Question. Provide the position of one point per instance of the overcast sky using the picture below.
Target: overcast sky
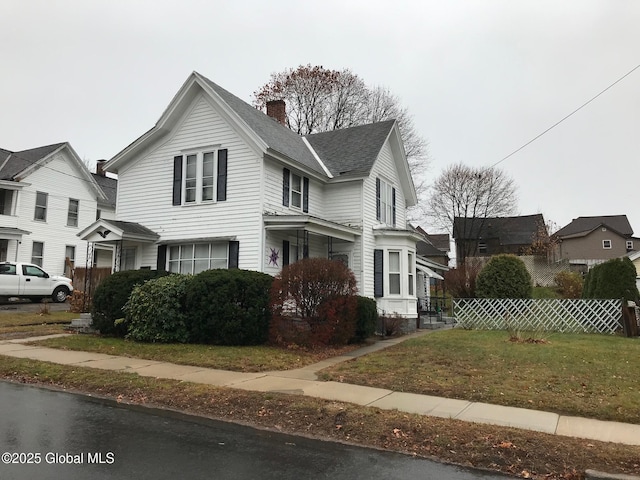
(481, 78)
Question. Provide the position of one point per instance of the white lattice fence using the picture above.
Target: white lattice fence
(548, 315)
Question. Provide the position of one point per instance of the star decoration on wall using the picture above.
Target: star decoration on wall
(274, 256)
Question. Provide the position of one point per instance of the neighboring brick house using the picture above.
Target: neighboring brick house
(484, 237)
(587, 241)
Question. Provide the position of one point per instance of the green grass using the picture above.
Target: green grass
(25, 324)
(586, 375)
(242, 359)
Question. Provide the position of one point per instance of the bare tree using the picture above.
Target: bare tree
(474, 193)
(320, 100)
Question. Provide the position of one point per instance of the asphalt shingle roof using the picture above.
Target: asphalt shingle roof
(584, 225)
(351, 151)
(19, 161)
(109, 186)
(510, 230)
(276, 136)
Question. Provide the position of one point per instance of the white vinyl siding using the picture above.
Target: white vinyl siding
(149, 200)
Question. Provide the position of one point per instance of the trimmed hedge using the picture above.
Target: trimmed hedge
(504, 276)
(156, 310)
(112, 294)
(229, 307)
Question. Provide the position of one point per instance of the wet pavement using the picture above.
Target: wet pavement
(75, 437)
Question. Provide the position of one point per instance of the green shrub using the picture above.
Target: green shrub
(112, 294)
(615, 278)
(569, 284)
(504, 276)
(156, 310)
(313, 303)
(544, 292)
(229, 307)
(366, 319)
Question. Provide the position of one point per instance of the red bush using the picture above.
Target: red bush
(313, 302)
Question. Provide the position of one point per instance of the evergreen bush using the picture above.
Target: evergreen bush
(504, 276)
(366, 319)
(229, 307)
(155, 311)
(615, 278)
(112, 294)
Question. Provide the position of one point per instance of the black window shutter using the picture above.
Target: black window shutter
(378, 274)
(177, 180)
(305, 195)
(234, 253)
(286, 175)
(161, 262)
(285, 253)
(221, 190)
(377, 199)
(393, 205)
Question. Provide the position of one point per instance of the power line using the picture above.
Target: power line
(566, 117)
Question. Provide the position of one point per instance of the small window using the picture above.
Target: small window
(41, 207)
(386, 208)
(37, 253)
(128, 259)
(629, 244)
(482, 247)
(72, 213)
(394, 273)
(70, 256)
(606, 244)
(296, 191)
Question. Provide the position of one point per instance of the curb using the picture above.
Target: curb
(596, 475)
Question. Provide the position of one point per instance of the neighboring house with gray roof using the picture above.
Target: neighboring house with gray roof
(47, 196)
(587, 241)
(485, 237)
(216, 183)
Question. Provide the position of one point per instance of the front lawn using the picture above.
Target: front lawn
(574, 374)
(27, 324)
(240, 359)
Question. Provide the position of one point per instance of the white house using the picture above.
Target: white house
(216, 183)
(47, 196)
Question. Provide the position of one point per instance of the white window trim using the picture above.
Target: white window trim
(629, 244)
(45, 207)
(397, 273)
(199, 154)
(605, 246)
(411, 273)
(77, 212)
(386, 202)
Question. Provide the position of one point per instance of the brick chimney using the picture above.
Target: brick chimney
(276, 110)
(99, 168)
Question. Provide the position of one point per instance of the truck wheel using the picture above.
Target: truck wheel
(60, 294)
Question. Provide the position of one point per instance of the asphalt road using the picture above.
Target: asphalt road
(48, 434)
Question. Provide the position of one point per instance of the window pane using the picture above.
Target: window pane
(174, 267)
(202, 250)
(207, 165)
(296, 182)
(186, 266)
(218, 263)
(394, 284)
(296, 199)
(394, 261)
(201, 266)
(72, 215)
(186, 252)
(190, 179)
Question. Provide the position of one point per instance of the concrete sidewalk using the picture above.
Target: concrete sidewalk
(304, 381)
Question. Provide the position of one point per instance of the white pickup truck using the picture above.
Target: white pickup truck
(24, 280)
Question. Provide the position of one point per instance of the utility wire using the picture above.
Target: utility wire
(566, 117)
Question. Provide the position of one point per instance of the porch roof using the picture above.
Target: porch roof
(310, 224)
(10, 233)
(111, 231)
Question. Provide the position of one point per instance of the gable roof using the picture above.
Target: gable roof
(17, 163)
(582, 226)
(351, 151)
(509, 230)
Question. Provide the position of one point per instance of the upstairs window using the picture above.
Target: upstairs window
(606, 244)
(385, 203)
(200, 177)
(295, 191)
(394, 273)
(41, 206)
(629, 244)
(72, 213)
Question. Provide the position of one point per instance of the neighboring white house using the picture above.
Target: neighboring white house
(216, 183)
(47, 196)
